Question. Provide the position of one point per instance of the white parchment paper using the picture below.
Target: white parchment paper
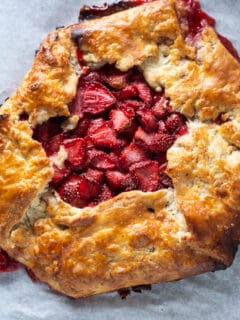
(23, 25)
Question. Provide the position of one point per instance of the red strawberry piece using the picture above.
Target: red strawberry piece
(144, 92)
(88, 189)
(165, 180)
(182, 131)
(114, 77)
(146, 174)
(162, 108)
(129, 183)
(76, 150)
(92, 76)
(53, 145)
(157, 96)
(164, 141)
(174, 122)
(60, 173)
(92, 98)
(89, 143)
(120, 181)
(106, 194)
(121, 122)
(132, 154)
(162, 127)
(81, 128)
(147, 120)
(102, 160)
(154, 142)
(128, 92)
(48, 129)
(148, 140)
(163, 166)
(94, 124)
(130, 107)
(115, 179)
(105, 136)
(68, 191)
(94, 175)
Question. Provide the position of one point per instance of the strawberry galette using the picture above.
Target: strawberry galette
(120, 161)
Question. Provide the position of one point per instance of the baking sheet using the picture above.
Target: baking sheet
(24, 24)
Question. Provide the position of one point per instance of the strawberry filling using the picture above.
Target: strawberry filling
(122, 132)
(7, 264)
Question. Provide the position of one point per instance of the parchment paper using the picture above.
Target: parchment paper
(24, 24)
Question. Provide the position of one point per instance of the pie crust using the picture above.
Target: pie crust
(134, 238)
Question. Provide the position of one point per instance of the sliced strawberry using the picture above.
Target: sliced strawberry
(128, 92)
(92, 98)
(148, 140)
(81, 128)
(157, 96)
(92, 76)
(183, 130)
(105, 136)
(68, 191)
(45, 131)
(147, 119)
(162, 161)
(88, 189)
(105, 194)
(119, 181)
(94, 124)
(165, 141)
(130, 107)
(115, 179)
(102, 160)
(89, 143)
(121, 122)
(129, 183)
(76, 150)
(174, 122)
(144, 92)
(154, 142)
(162, 127)
(165, 180)
(94, 175)
(114, 77)
(162, 108)
(147, 175)
(132, 154)
(52, 145)
(60, 174)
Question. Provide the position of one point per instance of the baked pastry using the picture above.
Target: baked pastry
(120, 151)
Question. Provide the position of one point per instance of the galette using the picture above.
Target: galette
(120, 161)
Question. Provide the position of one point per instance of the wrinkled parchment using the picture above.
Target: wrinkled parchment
(24, 24)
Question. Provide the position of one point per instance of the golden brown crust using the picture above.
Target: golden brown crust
(50, 84)
(134, 238)
(129, 37)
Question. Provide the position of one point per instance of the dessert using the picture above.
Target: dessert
(120, 154)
